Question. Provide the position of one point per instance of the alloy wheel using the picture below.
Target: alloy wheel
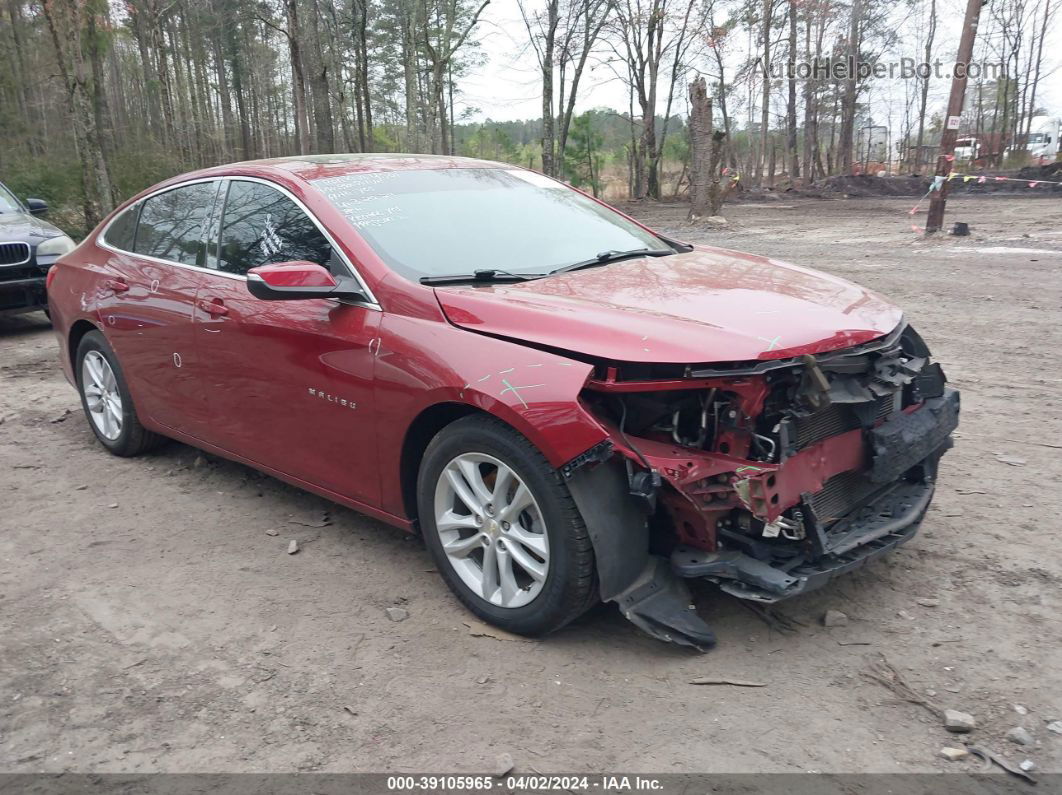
(492, 530)
(102, 397)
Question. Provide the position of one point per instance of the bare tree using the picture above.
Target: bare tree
(791, 99)
(542, 31)
(69, 24)
(924, 95)
(444, 25)
(645, 32)
(848, 101)
(584, 23)
(562, 35)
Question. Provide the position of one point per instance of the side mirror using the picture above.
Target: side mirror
(37, 206)
(291, 281)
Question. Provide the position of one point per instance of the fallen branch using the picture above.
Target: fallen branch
(1041, 444)
(776, 621)
(735, 682)
(882, 672)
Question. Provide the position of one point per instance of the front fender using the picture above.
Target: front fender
(423, 362)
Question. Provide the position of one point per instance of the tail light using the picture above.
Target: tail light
(50, 277)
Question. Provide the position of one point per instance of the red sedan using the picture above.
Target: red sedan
(568, 406)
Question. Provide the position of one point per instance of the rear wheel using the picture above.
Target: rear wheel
(503, 529)
(106, 400)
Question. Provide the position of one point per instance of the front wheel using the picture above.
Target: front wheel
(503, 529)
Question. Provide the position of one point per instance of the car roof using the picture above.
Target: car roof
(313, 167)
(289, 171)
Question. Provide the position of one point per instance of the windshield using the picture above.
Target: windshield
(440, 222)
(8, 203)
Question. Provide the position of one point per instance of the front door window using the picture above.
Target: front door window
(262, 226)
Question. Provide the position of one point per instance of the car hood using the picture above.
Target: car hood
(22, 227)
(708, 305)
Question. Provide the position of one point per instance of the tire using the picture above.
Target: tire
(549, 534)
(124, 436)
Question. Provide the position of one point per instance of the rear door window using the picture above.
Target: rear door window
(261, 226)
(171, 223)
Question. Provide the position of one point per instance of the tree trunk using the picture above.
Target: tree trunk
(595, 14)
(162, 69)
(361, 82)
(700, 145)
(924, 98)
(247, 145)
(1037, 67)
(67, 28)
(298, 80)
(791, 104)
(848, 104)
(549, 165)
(224, 99)
(147, 64)
(324, 127)
(765, 99)
(97, 89)
(409, 68)
(810, 116)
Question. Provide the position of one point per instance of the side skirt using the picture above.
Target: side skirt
(400, 522)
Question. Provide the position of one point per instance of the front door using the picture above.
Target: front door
(290, 383)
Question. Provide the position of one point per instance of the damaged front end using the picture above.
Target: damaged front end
(768, 478)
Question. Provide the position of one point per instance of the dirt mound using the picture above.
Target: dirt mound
(866, 185)
(1049, 171)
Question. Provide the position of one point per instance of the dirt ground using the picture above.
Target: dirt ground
(150, 622)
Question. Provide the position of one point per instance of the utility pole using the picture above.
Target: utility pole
(935, 221)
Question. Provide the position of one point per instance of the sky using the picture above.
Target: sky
(506, 86)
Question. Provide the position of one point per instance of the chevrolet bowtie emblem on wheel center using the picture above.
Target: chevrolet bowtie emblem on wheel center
(332, 398)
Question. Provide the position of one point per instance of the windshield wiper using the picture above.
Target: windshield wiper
(605, 257)
(485, 275)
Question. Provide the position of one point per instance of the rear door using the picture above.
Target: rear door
(289, 382)
(147, 301)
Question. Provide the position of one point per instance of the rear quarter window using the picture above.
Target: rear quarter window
(122, 231)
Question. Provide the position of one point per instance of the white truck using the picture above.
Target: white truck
(1043, 143)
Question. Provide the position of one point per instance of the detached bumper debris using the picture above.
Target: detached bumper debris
(659, 604)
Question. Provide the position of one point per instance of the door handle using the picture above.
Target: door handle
(118, 285)
(214, 307)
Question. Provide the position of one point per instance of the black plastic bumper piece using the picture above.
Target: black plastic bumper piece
(894, 519)
(658, 603)
(905, 439)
